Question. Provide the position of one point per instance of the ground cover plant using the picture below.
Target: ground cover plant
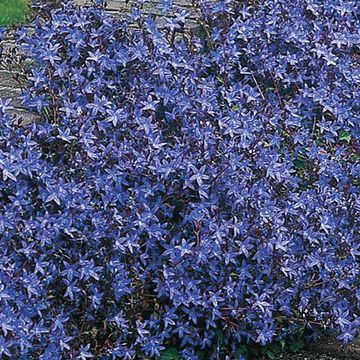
(185, 192)
(12, 11)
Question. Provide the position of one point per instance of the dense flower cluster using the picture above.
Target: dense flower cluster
(184, 186)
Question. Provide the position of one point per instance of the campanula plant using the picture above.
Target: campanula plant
(185, 188)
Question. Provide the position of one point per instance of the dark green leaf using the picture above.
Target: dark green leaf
(270, 355)
(241, 350)
(299, 163)
(296, 345)
(344, 136)
(220, 336)
(170, 354)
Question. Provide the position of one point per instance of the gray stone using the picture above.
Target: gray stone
(7, 79)
(23, 117)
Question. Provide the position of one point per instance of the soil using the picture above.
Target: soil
(327, 349)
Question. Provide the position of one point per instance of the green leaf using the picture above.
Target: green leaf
(241, 350)
(270, 355)
(170, 354)
(220, 336)
(299, 163)
(283, 344)
(220, 79)
(275, 347)
(296, 345)
(344, 136)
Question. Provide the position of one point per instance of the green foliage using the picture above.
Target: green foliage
(12, 11)
(344, 136)
(273, 350)
(300, 163)
(170, 354)
(220, 336)
(251, 351)
(270, 351)
(296, 345)
(242, 350)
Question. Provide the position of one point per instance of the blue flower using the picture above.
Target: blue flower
(181, 187)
